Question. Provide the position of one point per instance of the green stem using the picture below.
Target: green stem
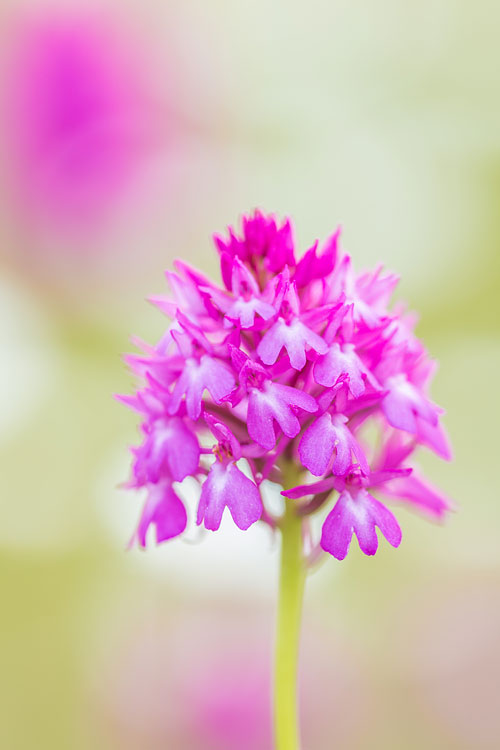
(291, 587)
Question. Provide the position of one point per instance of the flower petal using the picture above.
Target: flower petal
(295, 337)
(182, 449)
(276, 401)
(260, 422)
(227, 486)
(422, 496)
(329, 434)
(164, 510)
(272, 343)
(359, 513)
(404, 403)
(317, 444)
(209, 373)
(337, 362)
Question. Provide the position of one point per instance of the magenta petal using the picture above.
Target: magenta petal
(218, 379)
(244, 501)
(295, 337)
(338, 362)
(294, 397)
(264, 309)
(358, 452)
(310, 489)
(260, 420)
(435, 438)
(317, 445)
(174, 443)
(272, 343)
(359, 513)
(170, 450)
(164, 510)
(227, 486)
(399, 413)
(183, 451)
(342, 460)
(422, 496)
(337, 531)
(404, 403)
(208, 373)
(327, 435)
(276, 402)
(244, 311)
(189, 385)
(384, 519)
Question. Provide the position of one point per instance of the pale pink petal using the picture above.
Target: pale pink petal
(358, 513)
(244, 311)
(337, 531)
(182, 450)
(404, 403)
(342, 459)
(227, 486)
(250, 361)
(276, 402)
(399, 412)
(218, 379)
(260, 420)
(326, 436)
(294, 397)
(312, 267)
(295, 337)
(422, 496)
(303, 490)
(164, 510)
(435, 437)
(170, 449)
(208, 373)
(272, 343)
(317, 445)
(339, 362)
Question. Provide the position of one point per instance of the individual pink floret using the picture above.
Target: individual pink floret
(358, 513)
(227, 486)
(163, 510)
(339, 361)
(276, 402)
(170, 449)
(198, 375)
(327, 436)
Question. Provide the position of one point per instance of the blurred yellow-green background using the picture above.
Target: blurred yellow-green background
(384, 116)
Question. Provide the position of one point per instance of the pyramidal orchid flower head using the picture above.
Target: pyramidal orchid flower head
(286, 362)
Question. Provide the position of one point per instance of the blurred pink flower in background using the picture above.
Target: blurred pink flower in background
(82, 118)
(455, 658)
(159, 685)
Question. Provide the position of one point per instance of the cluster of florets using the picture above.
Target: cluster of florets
(289, 362)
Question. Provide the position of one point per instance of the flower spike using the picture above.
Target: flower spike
(289, 361)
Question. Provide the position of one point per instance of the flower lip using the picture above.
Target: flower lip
(165, 511)
(358, 513)
(227, 486)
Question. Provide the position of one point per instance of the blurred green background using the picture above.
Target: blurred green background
(385, 117)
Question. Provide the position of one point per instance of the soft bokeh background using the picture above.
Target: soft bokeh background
(129, 133)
